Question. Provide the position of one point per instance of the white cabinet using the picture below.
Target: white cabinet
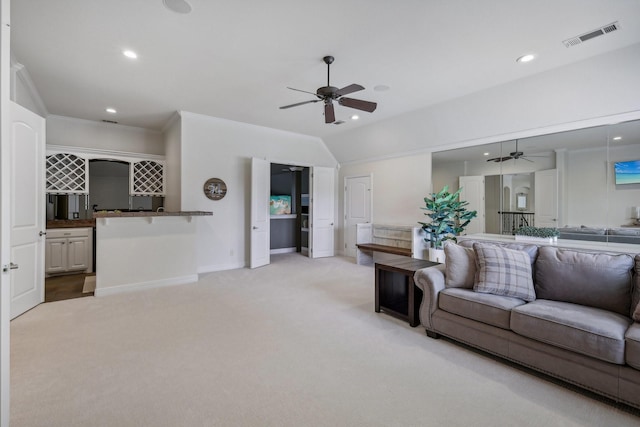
(69, 249)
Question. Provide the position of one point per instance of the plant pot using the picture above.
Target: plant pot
(437, 255)
(532, 239)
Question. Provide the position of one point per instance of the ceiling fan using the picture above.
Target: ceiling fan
(327, 94)
(515, 155)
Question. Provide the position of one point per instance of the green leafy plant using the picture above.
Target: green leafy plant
(449, 216)
(544, 232)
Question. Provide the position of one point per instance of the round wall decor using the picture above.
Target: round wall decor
(215, 188)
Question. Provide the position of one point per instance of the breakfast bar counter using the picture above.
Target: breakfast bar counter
(138, 250)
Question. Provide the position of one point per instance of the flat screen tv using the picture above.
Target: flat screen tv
(627, 172)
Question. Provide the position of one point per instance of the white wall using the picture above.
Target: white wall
(399, 188)
(600, 86)
(218, 148)
(104, 136)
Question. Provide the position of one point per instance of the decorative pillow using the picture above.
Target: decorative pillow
(503, 271)
(635, 297)
(460, 266)
(595, 279)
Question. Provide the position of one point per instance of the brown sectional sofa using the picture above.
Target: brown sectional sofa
(579, 327)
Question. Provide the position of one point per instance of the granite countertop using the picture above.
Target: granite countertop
(71, 223)
(113, 214)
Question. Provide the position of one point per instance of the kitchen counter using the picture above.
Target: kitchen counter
(143, 214)
(71, 223)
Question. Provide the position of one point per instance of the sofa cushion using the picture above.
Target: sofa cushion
(594, 279)
(586, 330)
(632, 347)
(493, 310)
(460, 266)
(502, 271)
(635, 295)
(624, 231)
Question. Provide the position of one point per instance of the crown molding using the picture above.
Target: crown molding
(96, 153)
(20, 73)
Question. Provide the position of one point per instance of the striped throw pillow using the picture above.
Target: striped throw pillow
(503, 271)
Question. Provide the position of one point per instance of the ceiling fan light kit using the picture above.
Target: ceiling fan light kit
(327, 94)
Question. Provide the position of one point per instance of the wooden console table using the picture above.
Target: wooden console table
(396, 293)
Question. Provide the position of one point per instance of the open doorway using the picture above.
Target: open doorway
(289, 209)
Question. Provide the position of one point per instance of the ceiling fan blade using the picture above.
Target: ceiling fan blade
(329, 114)
(358, 104)
(298, 103)
(500, 159)
(300, 90)
(349, 89)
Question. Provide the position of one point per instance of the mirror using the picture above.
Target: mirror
(521, 202)
(565, 180)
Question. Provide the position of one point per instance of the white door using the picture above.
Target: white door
(357, 207)
(27, 208)
(322, 214)
(473, 192)
(546, 198)
(5, 213)
(260, 220)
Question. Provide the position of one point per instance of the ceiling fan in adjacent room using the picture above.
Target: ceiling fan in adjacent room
(515, 155)
(327, 94)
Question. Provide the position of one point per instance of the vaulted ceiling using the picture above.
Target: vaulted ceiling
(235, 59)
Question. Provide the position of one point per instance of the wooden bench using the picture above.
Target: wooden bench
(379, 242)
(374, 247)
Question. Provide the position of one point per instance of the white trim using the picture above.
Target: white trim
(132, 287)
(282, 251)
(219, 267)
(97, 153)
(20, 72)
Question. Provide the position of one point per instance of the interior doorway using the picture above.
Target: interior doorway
(357, 207)
(289, 209)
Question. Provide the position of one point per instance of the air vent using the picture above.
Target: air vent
(110, 121)
(339, 122)
(573, 41)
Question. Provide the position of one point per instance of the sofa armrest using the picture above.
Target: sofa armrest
(431, 281)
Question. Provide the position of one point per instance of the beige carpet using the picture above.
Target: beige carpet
(296, 343)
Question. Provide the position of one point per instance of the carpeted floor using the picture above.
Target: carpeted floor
(295, 343)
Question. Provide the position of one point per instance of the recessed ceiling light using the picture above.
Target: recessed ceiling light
(526, 58)
(485, 154)
(177, 6)
(381, 88)
(111, 110)
(130, 54)
(355, 117)
(617, 138)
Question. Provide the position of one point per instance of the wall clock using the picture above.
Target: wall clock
(215, 188)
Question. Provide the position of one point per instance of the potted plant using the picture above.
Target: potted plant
(538, 234)
(449, 217)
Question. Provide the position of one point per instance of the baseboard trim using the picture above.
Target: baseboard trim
(222, 267)
(282, 251)
(132, 287)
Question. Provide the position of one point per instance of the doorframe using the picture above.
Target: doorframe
(5, 211)
(343, 249)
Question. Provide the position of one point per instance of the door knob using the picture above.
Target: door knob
(42, 233)
(254, 227)
(11, 266)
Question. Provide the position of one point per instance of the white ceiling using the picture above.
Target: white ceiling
(234, 59)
